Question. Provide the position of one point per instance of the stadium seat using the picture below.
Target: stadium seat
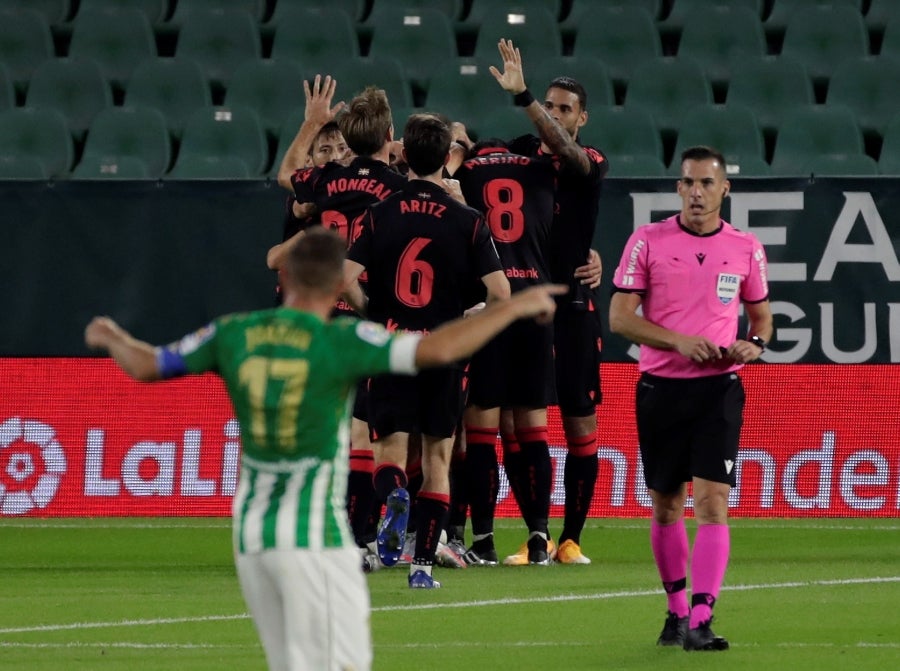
(636, 165)
(21, 167)
(770, 86)
(154, 10)
(223, 131)
(879, 14)
(824, 36)
(718, 36)
(623, 37)
(219, 42)
(55, 12)
(732, 129)
(868, 86)
(463, 89)
(111, 167)
(889, 159)
(176, 87)
(420, 39)
(617, 131)
(532, 28)
(7, 89)
(272, 88)
(327, 36)
(668, 87)
(354, 74)
(590, 72)
(139, 133)
(504, 123)
(580, 10)
(890, 43)
(480, 9)
(841, 165)
(39, 134)
(25, 43)
(783, 12)
(210, 167)
(74, 87)
(811, 131)
(118, 40)
(184, 8)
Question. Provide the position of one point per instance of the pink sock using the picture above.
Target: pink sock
(708, 563)
(670, 550)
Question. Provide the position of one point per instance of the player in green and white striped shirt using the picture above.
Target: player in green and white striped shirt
(290, 373)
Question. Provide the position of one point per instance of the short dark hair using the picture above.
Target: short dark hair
(426, 141)
(704, 153)
(486, 143)
(366, 122)
(572, 86)
(316, 262)
(330, 129)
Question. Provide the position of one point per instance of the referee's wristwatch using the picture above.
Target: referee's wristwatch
(759, 342)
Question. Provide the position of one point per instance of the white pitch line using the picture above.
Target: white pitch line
(461, 604)
(127, 645)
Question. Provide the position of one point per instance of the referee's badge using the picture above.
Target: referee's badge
(727, 287)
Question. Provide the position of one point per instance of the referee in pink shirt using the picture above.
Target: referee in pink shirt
(690, 274)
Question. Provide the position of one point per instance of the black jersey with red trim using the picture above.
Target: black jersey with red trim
(422, 249)
(293, 224)
(577, 206)
(516, 194)
(342, 193)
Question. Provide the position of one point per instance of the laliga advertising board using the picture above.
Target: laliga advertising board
(78, 438)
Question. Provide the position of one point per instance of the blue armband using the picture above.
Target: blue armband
(170, 363)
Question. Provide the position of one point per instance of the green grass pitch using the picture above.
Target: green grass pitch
(152, 594)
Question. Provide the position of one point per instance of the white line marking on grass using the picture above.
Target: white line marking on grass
(460, 604)
(494, 644)
(125, 644)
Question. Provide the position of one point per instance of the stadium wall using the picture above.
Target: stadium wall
(77, 438)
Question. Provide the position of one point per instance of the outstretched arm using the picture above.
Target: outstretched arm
(512, 79)
(135, 357)
(318, 112)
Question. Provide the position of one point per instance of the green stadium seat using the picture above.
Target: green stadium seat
(889, 159)
(824, 36)
(272, 88)
(355, 9)
(480, 9)
(7, 89)
(879, 14)
(623, 37)
(327, 37)
(354, 74)
(119, 133)
(222, 131)
(421, 39)
(55, 12)
(74, 87)
(118, 40)
(783, 11)
(532, 28)
(618, 131)
(668, 87)
(25, 43)
(111, 167)
(590, 72)
(452, 9)
(184, 9)
(685, 12)
(718, 36)
(770, 86)
(732, 129)
(219, 42)
(841, 165)
(868, 86)
(636, 165)
(812, 131)
(39, 134)
(580, 10)
(177, 87)
(890, 43)
(463, 89)
(503, 123)
(22, 167)
(210, 167)
(154, 10)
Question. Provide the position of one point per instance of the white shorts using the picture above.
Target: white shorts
(311, 608)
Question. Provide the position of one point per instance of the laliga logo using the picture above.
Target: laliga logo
(31, 464)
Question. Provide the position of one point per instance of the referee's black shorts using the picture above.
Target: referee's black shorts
(689, 428)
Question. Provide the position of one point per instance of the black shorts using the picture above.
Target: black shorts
(515, 369)
(689, 428)
(361, 401)
(576, 344)
(429, 403)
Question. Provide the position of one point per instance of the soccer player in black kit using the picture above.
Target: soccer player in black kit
(422, 251)
(577, 339)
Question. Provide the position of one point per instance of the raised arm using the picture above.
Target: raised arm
(317, 113)
(512, 79)
(135, 357)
